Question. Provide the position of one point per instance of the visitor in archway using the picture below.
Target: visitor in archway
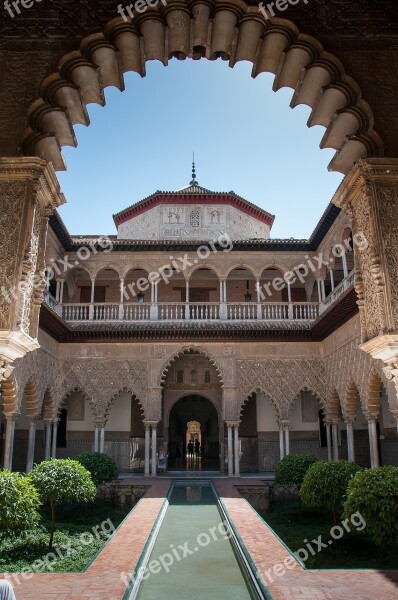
(197, 448)
(161, 460)
(190, 449)
(6, 590)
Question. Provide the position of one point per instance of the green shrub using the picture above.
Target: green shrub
(19, 503)
(292, 469)
(102, 467)
(62, 480)
(325, 484)
(374, 494)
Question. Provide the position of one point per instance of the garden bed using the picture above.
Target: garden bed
(81, 533)
(353, 551)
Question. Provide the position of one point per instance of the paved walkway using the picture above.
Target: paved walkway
(102, 579)
(298, 584)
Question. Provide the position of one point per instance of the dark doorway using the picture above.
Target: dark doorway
(194, 418)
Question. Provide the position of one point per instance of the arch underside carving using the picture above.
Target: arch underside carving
(228, 30)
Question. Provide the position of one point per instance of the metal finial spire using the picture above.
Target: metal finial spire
(193, 182)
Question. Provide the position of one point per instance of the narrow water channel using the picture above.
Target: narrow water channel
(195, 541)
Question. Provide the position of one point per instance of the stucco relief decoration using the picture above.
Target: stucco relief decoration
(388, 201)
(10, 224)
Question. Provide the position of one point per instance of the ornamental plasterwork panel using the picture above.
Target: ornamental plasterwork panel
(39, 367)
(281, 381)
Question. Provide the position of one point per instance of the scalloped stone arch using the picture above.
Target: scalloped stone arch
(110, 404)
(349, 401)
(316, 395)
(261, 390)
(226, 29)
(66, 394)
(190, 350)
(9, 392)
(373, 395)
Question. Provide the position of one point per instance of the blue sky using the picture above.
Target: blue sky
(246, 138)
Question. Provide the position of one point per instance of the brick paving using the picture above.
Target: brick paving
(102, 579)
(299, 584)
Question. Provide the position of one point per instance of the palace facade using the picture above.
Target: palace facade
(192, 323)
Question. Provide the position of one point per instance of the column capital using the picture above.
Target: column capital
(371, 418)
(10, 418)
(6, 368)
(232, 423)
(149, 423)
(284, 423)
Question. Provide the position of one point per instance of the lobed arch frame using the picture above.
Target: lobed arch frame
(213, 29)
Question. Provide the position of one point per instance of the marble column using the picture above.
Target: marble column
(147, 448)
(154, 449)
(329, 440)
(31, 446)
(236, 450)
(9, 442)
(335, 437)
(102, 439)
(373, 444)
(96, 439)
(54, 441)
(287, 439)
(281, 442)
(230, 450)
(47, 451)
(350, 441)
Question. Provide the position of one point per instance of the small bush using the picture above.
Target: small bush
(102, 467)
(325, 484)
(19, 503)
(62, 480)
(374, 494)
(292, 469)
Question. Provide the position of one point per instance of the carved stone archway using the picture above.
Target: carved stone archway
(232, 31)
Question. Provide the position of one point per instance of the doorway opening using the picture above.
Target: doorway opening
(193, 440)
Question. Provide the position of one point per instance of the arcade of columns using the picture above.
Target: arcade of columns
(29, 191)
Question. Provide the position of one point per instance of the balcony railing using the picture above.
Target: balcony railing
(339, 290)
(108, 312)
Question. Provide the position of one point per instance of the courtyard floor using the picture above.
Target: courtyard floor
(102, 580)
